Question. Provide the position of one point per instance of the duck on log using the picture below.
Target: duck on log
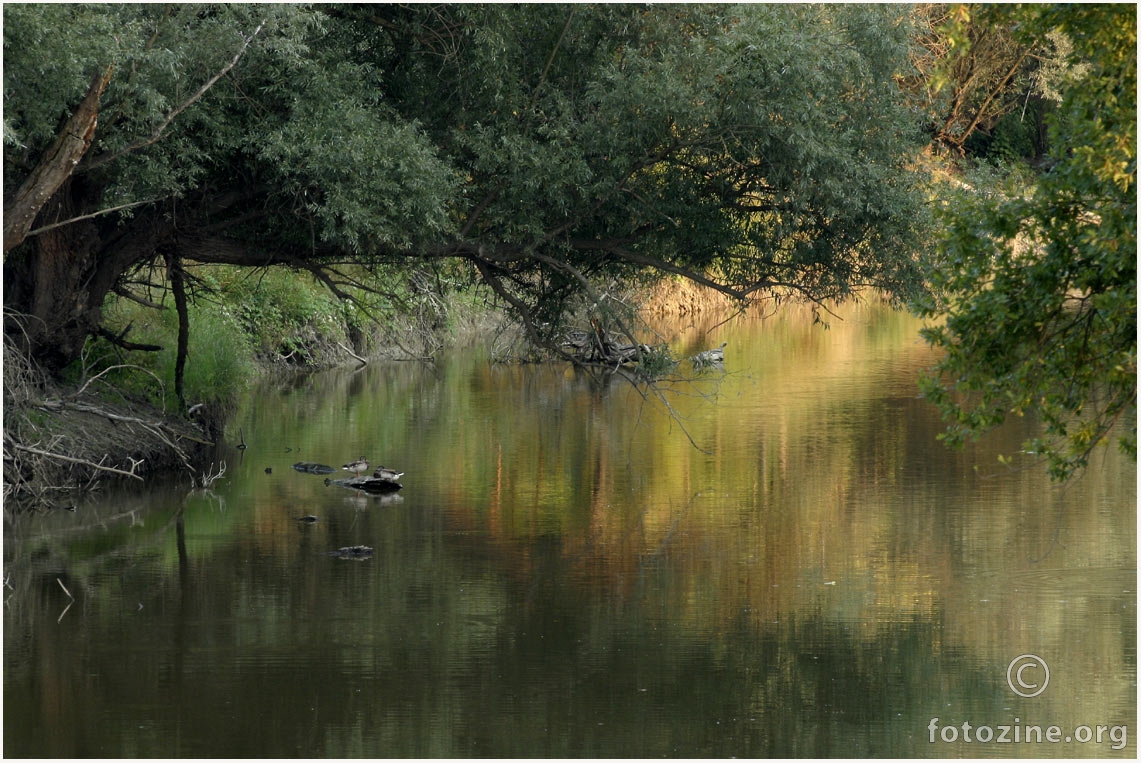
(710, 357)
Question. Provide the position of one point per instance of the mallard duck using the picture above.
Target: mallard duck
(391, 475)
(360, 466)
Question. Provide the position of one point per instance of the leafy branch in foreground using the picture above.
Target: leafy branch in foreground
(1037, 290)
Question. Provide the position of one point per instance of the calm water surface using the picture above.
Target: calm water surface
(789, 565)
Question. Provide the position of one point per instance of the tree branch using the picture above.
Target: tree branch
(84, 462)
(53, 226)
(159, 131)
(669, 267)
(119, 341)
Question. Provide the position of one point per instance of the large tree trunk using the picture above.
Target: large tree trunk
(48, 288)
(51, 308)
(56, 283)
(55, 166)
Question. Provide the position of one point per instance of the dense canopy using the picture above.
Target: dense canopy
(549, 152)
(1036, 291)
(548, 147)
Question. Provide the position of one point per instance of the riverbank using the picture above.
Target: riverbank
(59, 440)
(116, 419)
(114, 416)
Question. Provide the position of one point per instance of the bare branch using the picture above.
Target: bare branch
(72, 220)
(86, 384)
(119, 341)
(363, 362)
(84, 462)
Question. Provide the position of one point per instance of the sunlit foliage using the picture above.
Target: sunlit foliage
(1039, 287)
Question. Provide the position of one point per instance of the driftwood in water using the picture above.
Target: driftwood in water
(599, 346)
(367, 484)
(352, 552)
(311, 468)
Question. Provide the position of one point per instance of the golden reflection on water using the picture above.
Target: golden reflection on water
(783, 561)
(813, 488)
(817, 490)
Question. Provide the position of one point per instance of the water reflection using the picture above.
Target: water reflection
(566, 574)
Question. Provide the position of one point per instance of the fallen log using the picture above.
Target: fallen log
(599, 346)
(311, 468)
(367, 484)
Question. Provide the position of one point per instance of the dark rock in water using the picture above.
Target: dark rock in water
(309, 518)
(352, 552)
(311, 468)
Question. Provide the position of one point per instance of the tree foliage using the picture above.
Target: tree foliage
(545, 149)
(976, 63)
(1039, 290)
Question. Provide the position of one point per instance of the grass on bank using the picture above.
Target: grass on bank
(241, 322)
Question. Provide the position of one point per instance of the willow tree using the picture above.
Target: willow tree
(1037, 290)
(144, 137)
(973, 65)
(548, 149)
(749, 148)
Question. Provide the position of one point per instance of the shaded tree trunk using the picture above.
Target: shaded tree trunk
(178, 286)
(48, 286)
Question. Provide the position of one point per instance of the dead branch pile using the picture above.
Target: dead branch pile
(599, 347)
(56, 441)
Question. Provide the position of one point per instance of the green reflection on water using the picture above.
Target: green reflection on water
(565, 574)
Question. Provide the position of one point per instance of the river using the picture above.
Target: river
(773, 558)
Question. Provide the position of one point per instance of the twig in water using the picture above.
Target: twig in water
(61, 585)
